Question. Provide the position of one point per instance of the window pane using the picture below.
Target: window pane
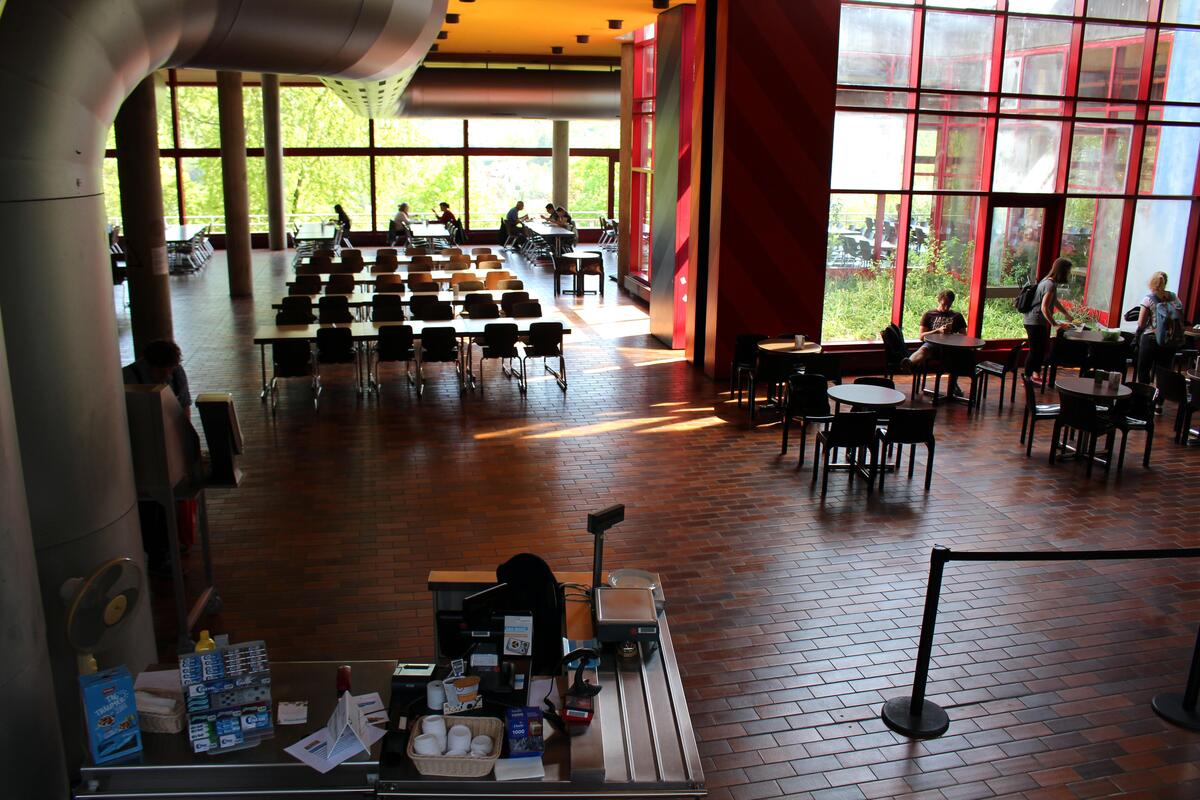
(868, 150)
(253, 115)
(418, 133)
(313, 116)
(596, 133)
(1112, 61)
(509, 133)
(162, 107)
(587, 192)
(1012, 257)
(203, 194)
(256, 186)
(859, 267)
(1026, 155)
(1118, 9)
(953, 102)
(958, 51)
(1099, 157)
(987, 4)
(1177, 65)
(868, 99)
(1185, 11)
(949, 152)
(312, 185)
(498, 182)
(1159, 231)
(112, 192)
(941, 249)
(875, 46)
(1169, 157)
(1066, 7)
(420, 181)
(1090, 234)
(199, 125)
(1035, 61)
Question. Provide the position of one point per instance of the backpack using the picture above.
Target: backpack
(1024, 301)
(1168, 326)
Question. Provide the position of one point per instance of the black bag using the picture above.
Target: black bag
(1024, 299)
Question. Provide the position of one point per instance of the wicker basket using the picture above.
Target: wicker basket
(163, 723)
(461, 766)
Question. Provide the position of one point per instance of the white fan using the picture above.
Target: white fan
(98, 605)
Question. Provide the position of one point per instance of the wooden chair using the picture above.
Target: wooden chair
(458, 277)
(392, 284)
(1081, 415)
(340, 284)
(545, 341)
(745, 356)
(511, 284)
(470, 286)
(494, 278)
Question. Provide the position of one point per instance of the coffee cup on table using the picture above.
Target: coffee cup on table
(799, 340)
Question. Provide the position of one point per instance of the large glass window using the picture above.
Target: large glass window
(313, 116)
(418, 132)
(868, 150)
(511, 132)
(860, 265)
(420, 181)
(313, 184)
(498, 182)
(875, 46)
(587, 192)
(941, 250)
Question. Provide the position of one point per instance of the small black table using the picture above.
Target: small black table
(953, 341)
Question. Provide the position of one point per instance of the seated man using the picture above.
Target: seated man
(942, 319)
(161, 362)
(513, 219)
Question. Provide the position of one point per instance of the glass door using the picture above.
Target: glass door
(1015, 251)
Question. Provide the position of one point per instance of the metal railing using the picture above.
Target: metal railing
(919, 718)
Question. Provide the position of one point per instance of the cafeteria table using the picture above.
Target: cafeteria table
(407, 259)
(435, 276)
(316, 232)
(554, 234)
(872, 398)
(960, 344)
(1101, 393)
(187, 248)
(428, 231)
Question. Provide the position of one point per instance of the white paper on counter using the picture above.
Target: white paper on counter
(517, 769)
(312, 749)
(163, 680)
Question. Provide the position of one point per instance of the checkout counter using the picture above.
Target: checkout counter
(640, 742)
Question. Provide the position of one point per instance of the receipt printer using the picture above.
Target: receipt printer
(625, 615)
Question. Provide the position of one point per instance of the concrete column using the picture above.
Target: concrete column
(142, 211)
(233, 179)
(273, 156)
(30, 739)
(560, 163)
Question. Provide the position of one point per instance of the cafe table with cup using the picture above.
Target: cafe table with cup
(494, 705)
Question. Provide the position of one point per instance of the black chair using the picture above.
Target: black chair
(526, 309)
(499, 341)
(909, 426)
(985, 370)
(882, 414)
(808, 402)
(435, 311)
(1135, 413)
(387, 308)
(509, 299)
(334, 346)
(291, 359)
(485, 310)
(471, 300)
(306, 284)
(418, 303)
(340, 284)
(855, 431)
(745, 356)
(424, 286)
(1187, 410)
(545, 340)
(827, 364)
(1064, 353)
(1033, 412)
(334, 309)
(439, 345)
(298, 310)
(395, 344)
(895, 350)
(1081, 415)
(1173, 387)
(771, 370)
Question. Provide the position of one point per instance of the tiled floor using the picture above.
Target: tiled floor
(794, 618)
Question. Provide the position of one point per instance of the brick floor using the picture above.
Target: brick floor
(794, 618)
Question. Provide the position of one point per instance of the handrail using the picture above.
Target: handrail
(916, 717)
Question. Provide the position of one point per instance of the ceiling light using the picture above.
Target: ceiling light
(582, 38)
(452, 19)
(433, 48)
(443, 34)
(556, 50)
(615, 24)
(662, 4)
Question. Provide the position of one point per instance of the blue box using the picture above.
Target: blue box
(523, 731)
(111, 715)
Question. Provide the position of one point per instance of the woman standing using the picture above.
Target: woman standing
(1160, 315)
(1040, 318)
(344, 223)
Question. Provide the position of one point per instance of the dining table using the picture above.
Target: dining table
(960, 345)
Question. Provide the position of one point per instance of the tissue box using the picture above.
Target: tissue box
(111, 715)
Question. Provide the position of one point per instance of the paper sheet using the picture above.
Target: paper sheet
(165, 680)
(515, 769)
(348, 724)
(312, 749)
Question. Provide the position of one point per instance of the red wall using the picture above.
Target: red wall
(772, 117)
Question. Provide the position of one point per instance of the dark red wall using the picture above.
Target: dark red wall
(772, 131)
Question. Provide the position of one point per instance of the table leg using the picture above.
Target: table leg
(262, 352)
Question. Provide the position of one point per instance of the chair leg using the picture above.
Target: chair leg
(1003, 377)
(1024, 423)
(874, 452)
(803, 440)
(1091, 453)
(1149, 444)
(912, 459)
(787, 423)
(929, 465)
(825, 472)
(881, 472)
(1053, 440)
(816, 460)
(1121, 457)
(1032, 425)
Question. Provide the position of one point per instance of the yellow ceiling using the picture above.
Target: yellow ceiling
(532, 27)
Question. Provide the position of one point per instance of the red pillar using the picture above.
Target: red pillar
(773, 91)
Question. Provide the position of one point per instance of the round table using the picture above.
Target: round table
(955, 340)
(857, 394)
(579, 258)
(787, 347)
(1087, 387)
(1090, 337)
(1192, 332)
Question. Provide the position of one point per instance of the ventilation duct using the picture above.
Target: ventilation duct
(543, 94)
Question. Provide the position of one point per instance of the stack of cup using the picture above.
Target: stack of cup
(435, 740)
(458, 741)
(481, 746)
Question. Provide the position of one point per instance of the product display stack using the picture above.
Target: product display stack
(228, 694)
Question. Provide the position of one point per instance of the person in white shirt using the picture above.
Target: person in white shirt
(401, 217)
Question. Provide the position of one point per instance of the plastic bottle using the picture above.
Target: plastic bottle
(205, 643)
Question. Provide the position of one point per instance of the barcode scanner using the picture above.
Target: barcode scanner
(578, 703)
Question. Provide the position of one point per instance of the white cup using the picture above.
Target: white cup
(799, 341)
(427, 745)
(481, 745)
(435, 726)
(435, 695)
(458, 741)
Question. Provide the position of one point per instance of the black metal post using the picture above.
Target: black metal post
(915, 716)
(1180, 709)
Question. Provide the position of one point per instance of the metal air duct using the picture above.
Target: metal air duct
(65, 67)
(537, 93)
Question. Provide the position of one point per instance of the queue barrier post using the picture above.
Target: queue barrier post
(1180, 709)
(915, 716)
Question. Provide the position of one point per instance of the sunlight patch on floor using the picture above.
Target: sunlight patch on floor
(598, 428)
(686, 425)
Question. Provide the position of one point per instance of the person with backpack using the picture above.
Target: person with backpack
(1038, 307)
(1159, 328)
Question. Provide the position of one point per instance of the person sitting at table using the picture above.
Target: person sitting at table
(551, 215)
(514, 218)
(343, 221)
(943, 319)
(444, 214)
(1160, 309)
